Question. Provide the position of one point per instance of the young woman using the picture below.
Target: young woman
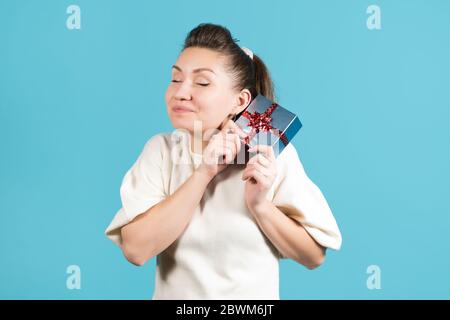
(218, 227)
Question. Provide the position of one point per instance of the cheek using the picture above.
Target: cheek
(214, 109)
(221, 103)
(168, 95)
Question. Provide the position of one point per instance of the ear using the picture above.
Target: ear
(242, 101)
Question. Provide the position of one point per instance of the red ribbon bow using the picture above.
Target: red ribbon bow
(262, 122)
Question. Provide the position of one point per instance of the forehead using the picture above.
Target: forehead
(196, 58)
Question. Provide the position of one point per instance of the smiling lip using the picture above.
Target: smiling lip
(180, 109)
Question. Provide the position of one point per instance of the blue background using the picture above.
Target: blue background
(77, 106)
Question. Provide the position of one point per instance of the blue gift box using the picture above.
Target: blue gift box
(266, 122)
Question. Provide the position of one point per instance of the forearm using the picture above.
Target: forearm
(152, 232)
(288, 236)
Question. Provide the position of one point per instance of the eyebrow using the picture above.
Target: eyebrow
(195, 70)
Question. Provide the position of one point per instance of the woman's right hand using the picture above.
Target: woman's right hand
(221, 150)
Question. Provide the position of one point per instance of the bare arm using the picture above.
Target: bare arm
(152, 232)
(288, 236)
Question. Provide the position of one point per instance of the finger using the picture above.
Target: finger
(231, 126)
(234, 139)
(224, 154)
(265, 149)
(261, 169)
(260, 158)
(262, 148)
(257, 176)
(231, 136)
(228, 156)
(230, 142)
(237, 142)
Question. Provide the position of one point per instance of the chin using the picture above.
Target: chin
(185, 125)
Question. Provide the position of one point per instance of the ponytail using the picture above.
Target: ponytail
(263, 81)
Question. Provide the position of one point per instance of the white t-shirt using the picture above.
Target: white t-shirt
(222, 254)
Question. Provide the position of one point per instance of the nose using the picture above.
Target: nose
(183, 92)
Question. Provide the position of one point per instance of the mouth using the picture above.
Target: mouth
(181, 109)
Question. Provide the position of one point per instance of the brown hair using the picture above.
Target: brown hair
(248, 74)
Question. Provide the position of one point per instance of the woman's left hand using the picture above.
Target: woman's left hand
(259, 175)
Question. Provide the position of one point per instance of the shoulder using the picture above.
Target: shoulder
(157, 141)
(288, 152)
(156, 146)
(161, 145)
(167, 139)
(289, 159)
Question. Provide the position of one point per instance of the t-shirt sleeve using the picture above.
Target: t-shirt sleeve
(142, 187)
(300, 199)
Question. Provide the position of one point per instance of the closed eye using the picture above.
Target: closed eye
(200, 84)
